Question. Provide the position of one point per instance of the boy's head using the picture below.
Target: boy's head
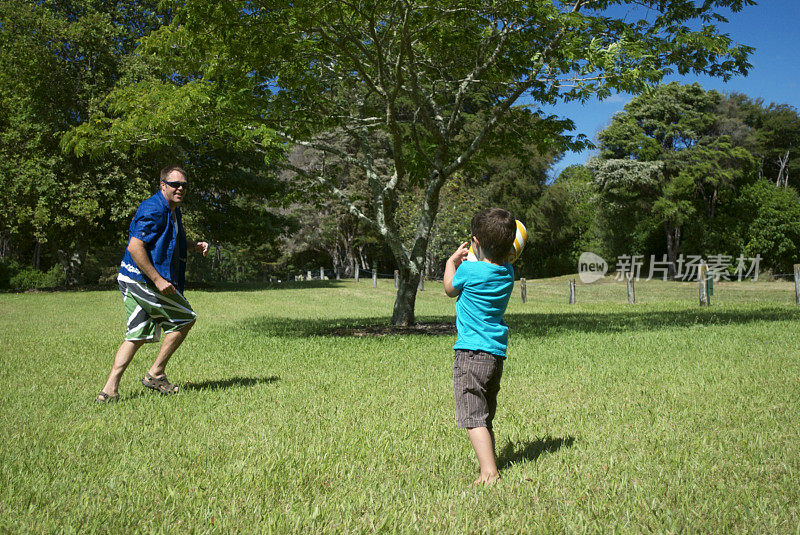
(495, 229)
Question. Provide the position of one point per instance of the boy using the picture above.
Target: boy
(483, 289)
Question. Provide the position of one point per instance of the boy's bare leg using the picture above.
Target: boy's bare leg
(171, 342)
(123, 357)
(483, 443)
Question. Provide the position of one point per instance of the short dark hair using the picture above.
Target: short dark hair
(170, 168)
(495, 229)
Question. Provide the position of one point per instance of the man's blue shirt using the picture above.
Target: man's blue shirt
(485, 290)
(164, 240)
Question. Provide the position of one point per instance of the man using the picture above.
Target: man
(151, 279)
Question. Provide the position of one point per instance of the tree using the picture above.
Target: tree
(514, 176)
(565, 224)
(661, 157)
(56, 58)
(452, 225)
(272, 73)
(778, 142)
(770, 132)
(324, 226)
(770, 225)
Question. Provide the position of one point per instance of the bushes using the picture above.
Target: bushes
(29, 278)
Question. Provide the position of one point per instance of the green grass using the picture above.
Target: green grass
(660, 416)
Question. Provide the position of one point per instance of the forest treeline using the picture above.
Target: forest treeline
(680, 171)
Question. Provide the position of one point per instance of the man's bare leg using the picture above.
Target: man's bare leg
(123, 357)
(483, 443)
(171, 342)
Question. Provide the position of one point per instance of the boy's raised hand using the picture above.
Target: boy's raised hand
(451, 266)
(460, 255)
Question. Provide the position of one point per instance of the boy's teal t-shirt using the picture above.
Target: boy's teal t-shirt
(485, 290)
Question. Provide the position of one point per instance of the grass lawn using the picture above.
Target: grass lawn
(297, 415)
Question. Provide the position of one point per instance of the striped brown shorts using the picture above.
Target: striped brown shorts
(476, 381)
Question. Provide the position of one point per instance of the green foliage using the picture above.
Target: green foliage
(464, 197)
(660, 124)
(774, 138)
(669, 162)
(56, 60)
(29, 278)
(230, 262)
(690, 162)
(770, 225)
(420, 89)
(564, 226)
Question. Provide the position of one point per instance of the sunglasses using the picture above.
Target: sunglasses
(176, 184)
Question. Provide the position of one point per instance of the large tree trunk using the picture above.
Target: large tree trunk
(403, 313)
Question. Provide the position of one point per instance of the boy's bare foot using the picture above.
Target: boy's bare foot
(487, 479)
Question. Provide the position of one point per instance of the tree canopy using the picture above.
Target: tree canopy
(57, 59)
(272, 74)
(682, 169)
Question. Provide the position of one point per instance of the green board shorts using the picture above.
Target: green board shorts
(149, 311)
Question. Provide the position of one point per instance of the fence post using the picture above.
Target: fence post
(374, 274)
(421, 281)
(396, 279)
(321, 273)
(631, 293)
(523, 290)
(702, 275)
(571, 286)
(356, 271)
(797, 283)
(338, 274)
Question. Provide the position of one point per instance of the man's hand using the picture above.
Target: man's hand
(201, 247)
(164, 286)
(140, 255)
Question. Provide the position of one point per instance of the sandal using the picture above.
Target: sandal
(102, 397)
(160, 384)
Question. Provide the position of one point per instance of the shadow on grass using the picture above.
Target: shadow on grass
(233, 382)
(254, 286)
(526, 324)
(546, 324)
(531, 450)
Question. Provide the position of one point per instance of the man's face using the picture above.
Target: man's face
(174, 195)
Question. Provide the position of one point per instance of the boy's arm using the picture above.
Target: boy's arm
(450, 269)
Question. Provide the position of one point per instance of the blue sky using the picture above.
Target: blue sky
(772, 27)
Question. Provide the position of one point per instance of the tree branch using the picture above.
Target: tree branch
(503, 107)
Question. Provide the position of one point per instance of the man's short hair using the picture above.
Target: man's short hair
(495, 229)
(167, 170)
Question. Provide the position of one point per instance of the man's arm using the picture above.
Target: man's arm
(139, 254)
(450, 269)
(197, 246)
